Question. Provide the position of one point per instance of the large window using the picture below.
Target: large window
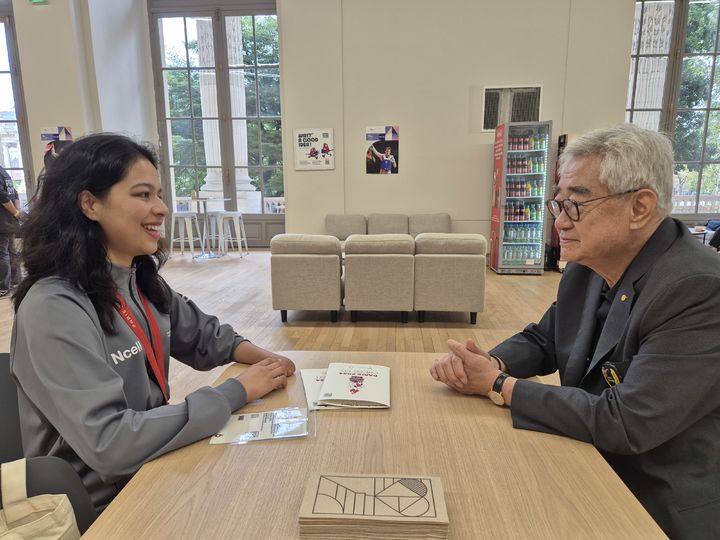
(221, 109)
(13, 128)
(674, 86)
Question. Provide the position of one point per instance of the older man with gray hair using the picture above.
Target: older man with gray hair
(634, 334)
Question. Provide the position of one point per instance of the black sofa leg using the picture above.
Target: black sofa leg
(473, 317)
(404, 317)
(333, 315)
(353, 316)
(421, 316)
(283, 315)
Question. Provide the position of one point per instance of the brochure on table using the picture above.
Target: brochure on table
(364, 386)
(312, 382)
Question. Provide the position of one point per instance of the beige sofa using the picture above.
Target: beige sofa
(392, 262)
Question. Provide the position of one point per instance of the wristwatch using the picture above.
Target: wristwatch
(495, 394)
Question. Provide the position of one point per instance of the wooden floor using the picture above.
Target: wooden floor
(237, 290)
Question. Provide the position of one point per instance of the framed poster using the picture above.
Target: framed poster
(314, 149)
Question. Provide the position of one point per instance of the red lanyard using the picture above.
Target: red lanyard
(154, 354)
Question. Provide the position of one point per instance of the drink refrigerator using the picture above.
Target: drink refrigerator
(518, 198)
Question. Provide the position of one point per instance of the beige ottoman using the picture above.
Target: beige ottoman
(305, 273)
(379, 273)
(449, 273)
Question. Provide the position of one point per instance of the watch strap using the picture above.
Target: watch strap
(498, 384)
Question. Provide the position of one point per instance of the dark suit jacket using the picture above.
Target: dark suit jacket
(660, 427)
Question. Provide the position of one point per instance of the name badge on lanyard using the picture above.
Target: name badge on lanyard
(155, 355)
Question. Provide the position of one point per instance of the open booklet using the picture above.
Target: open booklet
(364, 386)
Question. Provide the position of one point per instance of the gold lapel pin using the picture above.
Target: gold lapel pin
(623, 297)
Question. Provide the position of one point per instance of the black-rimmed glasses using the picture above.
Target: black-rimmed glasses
(572, 208)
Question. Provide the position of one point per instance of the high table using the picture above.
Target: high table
(201, 204)
(499, 482)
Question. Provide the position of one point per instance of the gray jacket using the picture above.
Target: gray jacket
(87, 396)
(660, 427)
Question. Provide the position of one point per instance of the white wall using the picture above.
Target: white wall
(51, 46)
(86, 64)
(123, 67)
(414, 63)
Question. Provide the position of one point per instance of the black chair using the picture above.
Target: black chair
(45, 474)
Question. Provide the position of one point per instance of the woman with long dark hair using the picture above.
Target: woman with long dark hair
(95, 324)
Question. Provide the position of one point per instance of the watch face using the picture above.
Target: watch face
(497, 398)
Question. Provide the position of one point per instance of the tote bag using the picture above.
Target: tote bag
(43, 517)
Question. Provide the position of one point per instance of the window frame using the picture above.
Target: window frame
(671, 94)
(217, 11)
(28, 169)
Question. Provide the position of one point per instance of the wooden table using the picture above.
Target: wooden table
(499, 482)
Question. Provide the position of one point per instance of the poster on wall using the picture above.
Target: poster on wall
(383, 154)
(314, 149)
(56, 139)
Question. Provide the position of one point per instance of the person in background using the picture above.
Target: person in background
(95, 324)
(633, 334)
(10, 215)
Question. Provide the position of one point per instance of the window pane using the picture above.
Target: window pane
(650, 83)
(249, 196)
(657, 27)
(10, 145)
(247, 143)
(631, 79)
(716, 86)
(172, 42)
(695, 82)
(627, 116)
(647, 119)
(177, 93)
(688, 135)
(184, 180)
(525, 105)
(271, 142)
(712, 141)
(269, 88)
(18, 178)
(701, 26)
(201, 48)
(636, 28)
(181, 147)
(710, 192)
(240, 41)
(254, 174)
(207, 142)
(685, 184)
(204, 93)
(212, 176)
(492, 106)
(7, 100)
(273, 180)
(266, 38)
(4, 59)
(243, 94)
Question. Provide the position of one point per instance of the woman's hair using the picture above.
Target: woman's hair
(630, 158)
(59, 240)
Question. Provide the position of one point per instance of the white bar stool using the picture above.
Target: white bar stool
(184, 220)
(234, 218)
(213, 232)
